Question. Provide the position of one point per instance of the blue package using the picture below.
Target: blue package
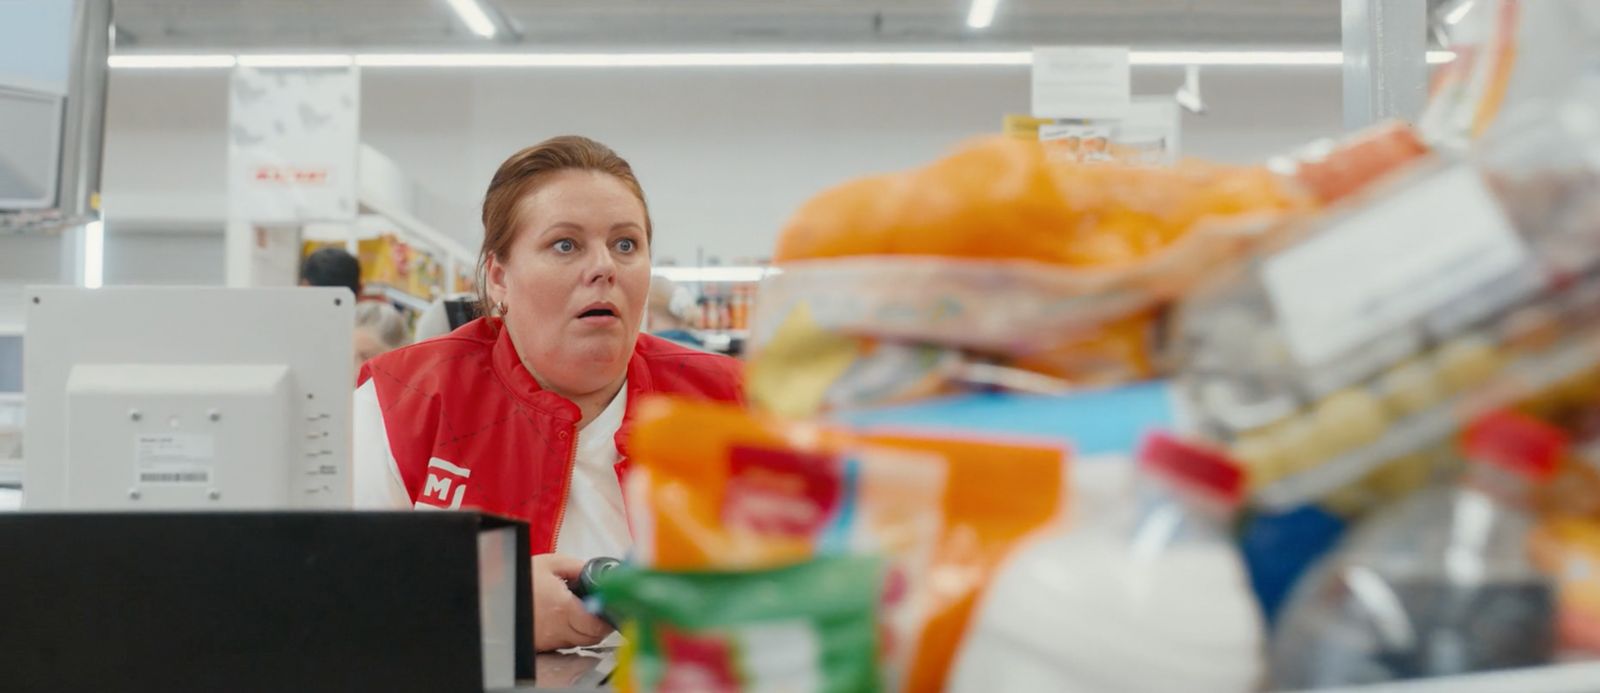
(1093, 423)
(1279, 548)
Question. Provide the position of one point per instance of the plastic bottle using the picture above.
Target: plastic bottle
(1152, 599)
(1441, 584)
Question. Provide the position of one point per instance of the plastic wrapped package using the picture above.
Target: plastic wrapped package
(1366, 339)
(751, 493)
(995, 256)
(1512, 58)
(1439, 584)
(1568, 548)
(1153, 597)
(721, 632)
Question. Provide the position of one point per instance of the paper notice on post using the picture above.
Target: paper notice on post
(1081, 82)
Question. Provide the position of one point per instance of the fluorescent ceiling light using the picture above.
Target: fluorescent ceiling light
(295, 60)
(982, 13)
(169, 61)
(734, 273)
(472, 14)
(94, 254)
(1307, 58)
(1459, 13)
(751, 59)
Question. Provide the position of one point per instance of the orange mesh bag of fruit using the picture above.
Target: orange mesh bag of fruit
(1005, 256)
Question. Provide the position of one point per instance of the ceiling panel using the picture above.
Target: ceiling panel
(356, 24)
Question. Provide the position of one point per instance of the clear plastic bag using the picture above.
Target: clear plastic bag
(1440, 584)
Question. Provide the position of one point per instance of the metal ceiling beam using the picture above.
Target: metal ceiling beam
(1385, 60)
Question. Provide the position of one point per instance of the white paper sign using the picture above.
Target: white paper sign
(1152, 128)
(1390, 264)
(1081, 82)
(293, 136)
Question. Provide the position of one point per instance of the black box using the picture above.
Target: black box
(248, 601)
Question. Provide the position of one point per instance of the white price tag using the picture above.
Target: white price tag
(1086, 83)
(1390, 264)
(174, 458)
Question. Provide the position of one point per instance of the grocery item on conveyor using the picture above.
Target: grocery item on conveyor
(749, 493)
(811, 626)
(1153, 597)
(1511, 58)
(1335, 170)
(1439, 584)
(1568, 549)
(996, 255)
(1458, 288)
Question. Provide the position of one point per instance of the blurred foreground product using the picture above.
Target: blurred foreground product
(1000, 198)
(746, 492)
(996, 255)
(1333, 171)
(1457, 288)
(807, 627)
(1511, 57)
(1151, 598)
(1440, 584)
(1568, 548)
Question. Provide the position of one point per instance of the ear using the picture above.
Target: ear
(495, 276)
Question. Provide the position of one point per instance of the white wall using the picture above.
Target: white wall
(725, 154)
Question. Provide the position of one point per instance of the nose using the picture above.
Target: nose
(602, 267)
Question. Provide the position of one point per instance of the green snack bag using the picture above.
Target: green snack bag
(807, 627)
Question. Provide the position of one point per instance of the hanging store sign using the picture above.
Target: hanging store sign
(293, 138)
(1090, 83)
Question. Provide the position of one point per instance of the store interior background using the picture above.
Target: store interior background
(726, 154)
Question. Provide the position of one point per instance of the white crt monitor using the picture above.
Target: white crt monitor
(187, 398)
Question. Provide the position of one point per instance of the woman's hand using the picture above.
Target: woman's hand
(559, 620)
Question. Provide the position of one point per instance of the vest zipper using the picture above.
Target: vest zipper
(566, 492)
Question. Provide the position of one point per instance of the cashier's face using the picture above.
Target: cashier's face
(575, 280)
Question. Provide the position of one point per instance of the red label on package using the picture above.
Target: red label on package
(780, 492)
(697, 663)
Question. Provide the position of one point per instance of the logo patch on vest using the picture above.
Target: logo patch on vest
(446, 486)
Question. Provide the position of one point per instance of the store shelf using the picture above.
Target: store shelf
(733, 274)
(403, 298)
(1521, 379)
(1581, 677)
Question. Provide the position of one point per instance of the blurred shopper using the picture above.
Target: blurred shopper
(332, 267)
(448, 314)
(379, 329)
(523, 413)
(670, 306)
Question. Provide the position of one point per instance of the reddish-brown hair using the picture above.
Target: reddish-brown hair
(523, 172)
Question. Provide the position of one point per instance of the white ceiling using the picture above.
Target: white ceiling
(344, 24)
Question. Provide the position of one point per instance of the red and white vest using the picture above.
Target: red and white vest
(466, 425)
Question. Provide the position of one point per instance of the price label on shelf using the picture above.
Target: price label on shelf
(1390, 264)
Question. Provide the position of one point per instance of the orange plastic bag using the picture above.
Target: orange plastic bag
(715, 488)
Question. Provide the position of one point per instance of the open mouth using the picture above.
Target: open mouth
(601, 311)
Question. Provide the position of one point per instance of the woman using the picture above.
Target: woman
(523, 413)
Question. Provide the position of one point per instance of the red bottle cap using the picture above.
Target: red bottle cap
(1198, 466)
(1515, 442)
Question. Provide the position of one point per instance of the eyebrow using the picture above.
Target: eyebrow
(579, 227)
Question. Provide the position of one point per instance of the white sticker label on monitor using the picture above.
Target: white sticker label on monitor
(1390, 264)
(174, 458)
